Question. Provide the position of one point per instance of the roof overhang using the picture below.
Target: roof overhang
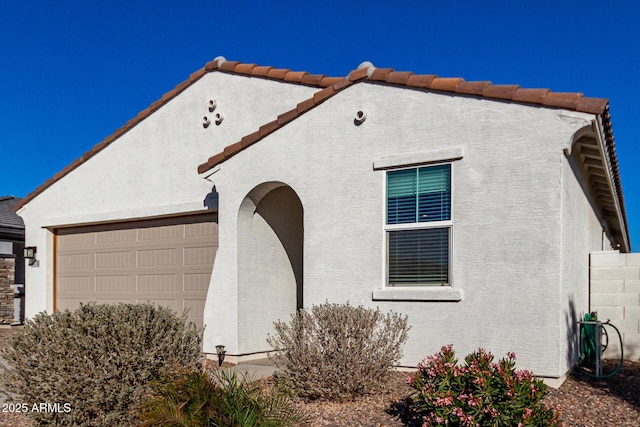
(596, 152)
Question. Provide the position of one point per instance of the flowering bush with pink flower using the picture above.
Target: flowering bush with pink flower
(479, 392)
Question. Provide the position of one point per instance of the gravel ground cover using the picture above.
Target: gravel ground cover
(584, 402)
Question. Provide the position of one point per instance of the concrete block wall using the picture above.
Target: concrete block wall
(615, 295)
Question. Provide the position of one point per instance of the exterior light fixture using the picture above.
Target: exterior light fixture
(30, 254)
(220, 352)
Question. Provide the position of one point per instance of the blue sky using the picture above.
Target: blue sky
(72, 72)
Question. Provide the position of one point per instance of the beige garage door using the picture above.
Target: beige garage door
(163, 261)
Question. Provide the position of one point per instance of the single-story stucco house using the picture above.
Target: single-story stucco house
(248, 192)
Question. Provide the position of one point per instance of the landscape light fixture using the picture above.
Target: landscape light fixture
(30, 254)
(220, 352)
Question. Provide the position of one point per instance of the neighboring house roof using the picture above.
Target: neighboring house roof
(218, 64)
(10, 222)
(610, 199)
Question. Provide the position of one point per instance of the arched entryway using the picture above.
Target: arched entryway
(270, 259)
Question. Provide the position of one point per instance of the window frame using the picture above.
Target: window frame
(446, 224)
(407, 160)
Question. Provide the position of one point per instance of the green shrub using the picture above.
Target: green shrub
(336, 351)
(184, 399)
(479, 393)
(99, 359)
(201, 399)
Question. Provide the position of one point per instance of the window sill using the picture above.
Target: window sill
(436, 293)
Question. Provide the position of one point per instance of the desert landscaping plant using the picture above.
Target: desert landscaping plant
(217, 399)
(337, 351)
(479, 392)
(96, 361)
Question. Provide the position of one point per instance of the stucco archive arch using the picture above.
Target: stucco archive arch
(270, 261)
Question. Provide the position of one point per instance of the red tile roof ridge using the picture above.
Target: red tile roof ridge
(485, 89)
(366, 72)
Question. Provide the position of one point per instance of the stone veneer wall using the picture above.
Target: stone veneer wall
(7, 278)
(615, 295)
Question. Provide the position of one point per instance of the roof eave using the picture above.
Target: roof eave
(613, 180)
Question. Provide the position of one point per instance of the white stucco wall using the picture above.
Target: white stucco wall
(151, 170)
(507, 215)
(269, 246)
(581, 234)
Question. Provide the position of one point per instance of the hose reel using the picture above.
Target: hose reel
(594, 340)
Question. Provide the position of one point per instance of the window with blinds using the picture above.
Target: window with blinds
(418, 225)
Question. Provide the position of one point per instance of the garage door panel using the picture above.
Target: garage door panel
(75, 262)
(80, 284)
(160, 233)
(111, 260)
(199, 256)
(105, 238)
(114, 283)
(156, 258)
(157, 283)
(80, 240)
(201, 231)
(196, 282)
(167, 261)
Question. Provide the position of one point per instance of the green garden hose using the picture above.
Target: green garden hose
(588, 335)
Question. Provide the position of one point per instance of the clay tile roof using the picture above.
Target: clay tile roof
(212, 65)
(331, 85)
(381, 74)
(594, 106)
(325, 93)
(261, 71)
(562, 100)
(421, 80)
(399, 77)
(500, 91)
(471, 88)
(445, 84)
(483, 89)
(197, 74)
(534, 96)
(329, 81)
(278, 73)
(229, 65)
(358, 74)
(295, 76)
(244, 68)
(313, 79)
